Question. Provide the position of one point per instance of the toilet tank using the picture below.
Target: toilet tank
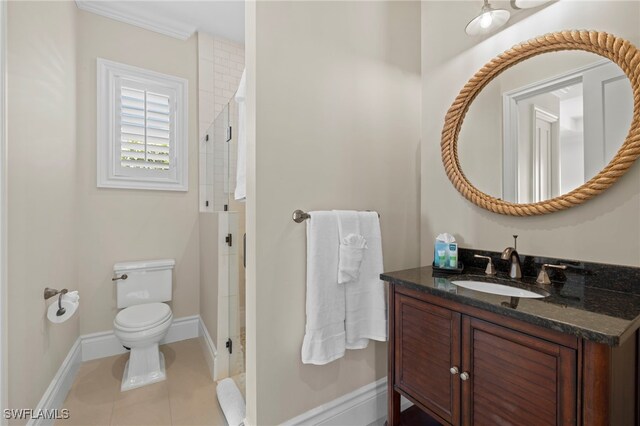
(147, 281)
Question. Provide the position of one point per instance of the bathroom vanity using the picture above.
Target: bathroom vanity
(468, 357)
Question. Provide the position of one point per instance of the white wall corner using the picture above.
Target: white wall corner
(60, 386)
(363, 406)
(4, 397)
(209, 348)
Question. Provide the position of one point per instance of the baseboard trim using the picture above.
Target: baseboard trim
(59, 387)
(363, 406)
(210, 352)
(104, 344)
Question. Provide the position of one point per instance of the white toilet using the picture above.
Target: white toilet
(145, 320)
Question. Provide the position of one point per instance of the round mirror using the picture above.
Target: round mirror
(546, 125)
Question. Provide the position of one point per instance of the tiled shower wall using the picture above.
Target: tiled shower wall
(220, 65)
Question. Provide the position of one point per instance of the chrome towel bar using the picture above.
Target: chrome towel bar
(299, 216)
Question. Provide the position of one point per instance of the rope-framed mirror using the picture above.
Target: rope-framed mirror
(617, 50)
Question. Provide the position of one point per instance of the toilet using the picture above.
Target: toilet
(142, 289)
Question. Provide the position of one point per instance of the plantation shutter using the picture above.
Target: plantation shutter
(143, 133)
(145, 129)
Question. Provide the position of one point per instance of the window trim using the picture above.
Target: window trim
(108, 75)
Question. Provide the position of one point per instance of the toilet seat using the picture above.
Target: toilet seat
(142, 317)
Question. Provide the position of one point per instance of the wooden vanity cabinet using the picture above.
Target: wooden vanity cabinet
(515, 378)
(428, 346)
(465, 366)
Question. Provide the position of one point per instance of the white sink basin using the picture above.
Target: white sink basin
(503, 290)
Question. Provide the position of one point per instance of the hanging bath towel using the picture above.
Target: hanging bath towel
(324, 339)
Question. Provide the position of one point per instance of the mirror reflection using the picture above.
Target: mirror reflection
(545, 126)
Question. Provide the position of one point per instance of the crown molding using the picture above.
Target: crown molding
(129, 14)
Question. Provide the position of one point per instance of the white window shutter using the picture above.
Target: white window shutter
(142, 129)
(145, 125)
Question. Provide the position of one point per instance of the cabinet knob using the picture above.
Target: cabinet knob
(464, 376)
(454, 370)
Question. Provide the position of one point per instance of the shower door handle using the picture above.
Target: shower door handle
(244, 250)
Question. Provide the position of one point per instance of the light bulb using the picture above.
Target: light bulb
(486, 20)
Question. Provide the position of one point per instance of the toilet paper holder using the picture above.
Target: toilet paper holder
(50, 292)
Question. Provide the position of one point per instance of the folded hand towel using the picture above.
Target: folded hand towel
(366, 310)
(352, 249)
(324, 339)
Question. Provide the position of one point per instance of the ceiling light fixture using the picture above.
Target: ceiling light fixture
(487, 20)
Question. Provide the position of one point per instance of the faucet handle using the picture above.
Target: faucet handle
(491, 270)
(543, 276)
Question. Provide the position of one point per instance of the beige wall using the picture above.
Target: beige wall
(122, 225)
(584, 232)
(42, 213)
(63, 231)
(337, 92)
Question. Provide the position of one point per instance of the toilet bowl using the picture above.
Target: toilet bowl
(144, 321)
(141, 328)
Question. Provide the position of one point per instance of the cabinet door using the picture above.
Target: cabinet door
(427, 345)
(515, 379)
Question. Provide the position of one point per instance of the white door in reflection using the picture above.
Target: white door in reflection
(607, 113)
(543, 158)
(565, 130)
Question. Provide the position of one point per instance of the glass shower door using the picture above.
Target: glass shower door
(236, 260)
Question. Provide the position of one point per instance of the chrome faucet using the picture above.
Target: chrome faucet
(510, 253)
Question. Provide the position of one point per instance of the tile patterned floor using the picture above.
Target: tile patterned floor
(187, 397)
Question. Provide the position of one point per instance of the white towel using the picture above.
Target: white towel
(241, 169)
(324, 339)
(365, 302)
(231, 402)
(352, 246)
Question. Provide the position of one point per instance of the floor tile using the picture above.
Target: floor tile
(155, 412)
(82, 414)
(187, 397)
(198, 406)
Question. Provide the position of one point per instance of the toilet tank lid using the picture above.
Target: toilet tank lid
(144, 265)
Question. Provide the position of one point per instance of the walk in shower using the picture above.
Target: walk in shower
(218, 172)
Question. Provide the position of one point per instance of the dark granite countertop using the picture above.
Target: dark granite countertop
(576, 304)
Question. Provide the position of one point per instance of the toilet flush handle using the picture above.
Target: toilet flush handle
(121, 277)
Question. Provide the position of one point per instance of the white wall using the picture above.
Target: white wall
(581, 232)
(42, 182)
(336, 122)
(209, 242)
(122, 225)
